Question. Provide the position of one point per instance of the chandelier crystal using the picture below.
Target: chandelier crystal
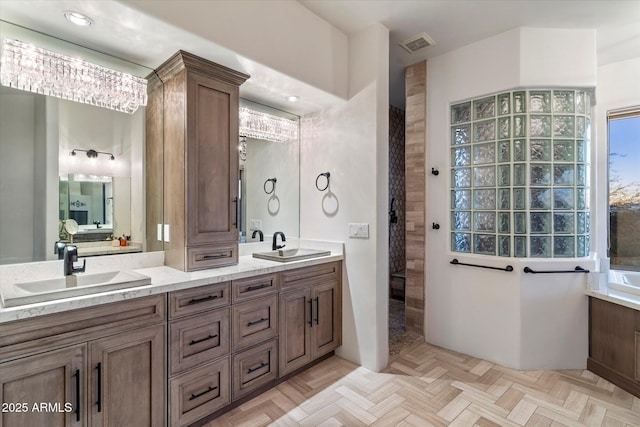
(27, 67)
(255, 124)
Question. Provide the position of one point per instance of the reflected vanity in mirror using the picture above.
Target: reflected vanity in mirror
(101, 187)
(269, 181)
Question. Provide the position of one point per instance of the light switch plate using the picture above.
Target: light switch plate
(359, 230)
(166, 233)
(159, 233)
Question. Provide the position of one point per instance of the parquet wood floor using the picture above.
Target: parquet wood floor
(429, 386)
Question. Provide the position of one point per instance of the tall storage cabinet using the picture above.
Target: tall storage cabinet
(200, 123)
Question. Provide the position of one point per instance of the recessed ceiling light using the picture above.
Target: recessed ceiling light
(78, 18)
(292, 98)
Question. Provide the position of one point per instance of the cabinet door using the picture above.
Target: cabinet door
(127, 379)
(327, 328)
(45, 390)
(212, 160)
(295, 330)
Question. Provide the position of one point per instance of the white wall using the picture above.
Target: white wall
(277, 34)
(618, 87)
(350, 141)
(491, 314)
(280, 210)
(17, 133)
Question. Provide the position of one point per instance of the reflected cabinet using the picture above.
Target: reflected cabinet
(199, 122)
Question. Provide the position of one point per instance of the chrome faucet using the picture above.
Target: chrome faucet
(71, 256)
(253, 235)
(275, 245)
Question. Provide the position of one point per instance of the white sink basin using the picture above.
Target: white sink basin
(69, 286)
(287, 255)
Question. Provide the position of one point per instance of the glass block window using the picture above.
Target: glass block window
(519, 174)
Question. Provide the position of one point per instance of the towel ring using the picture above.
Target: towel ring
(273, 185)
(326, 175)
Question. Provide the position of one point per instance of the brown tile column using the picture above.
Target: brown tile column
(416, 117)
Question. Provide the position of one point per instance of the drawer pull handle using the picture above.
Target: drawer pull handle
(99, 402)
(195, 396)
(310, 313)
(205, 299)
(214, 256)
(317, 310)
(255, 288)
(77, 377)
(262, 365)
(257, 321)
(210, 337)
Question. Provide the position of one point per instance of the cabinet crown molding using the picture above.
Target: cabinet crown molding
(182, 60)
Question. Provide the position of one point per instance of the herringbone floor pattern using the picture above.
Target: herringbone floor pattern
(430, 386)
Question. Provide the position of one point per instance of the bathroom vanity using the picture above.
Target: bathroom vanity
(177, 352)
(614, 341)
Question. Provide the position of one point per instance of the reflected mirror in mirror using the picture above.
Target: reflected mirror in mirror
(265, 205)
(41, 179)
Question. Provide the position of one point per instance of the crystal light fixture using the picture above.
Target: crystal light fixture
(30, 68)
(255, 124)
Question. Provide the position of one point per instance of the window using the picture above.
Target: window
(624, 189)
(519, 174)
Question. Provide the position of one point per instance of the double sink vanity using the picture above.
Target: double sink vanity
(158, 346)
(197, 323)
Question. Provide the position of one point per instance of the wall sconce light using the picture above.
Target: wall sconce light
(92, 154)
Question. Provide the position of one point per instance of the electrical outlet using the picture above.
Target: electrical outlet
(256, 224)
(166, 233)
(359, 230)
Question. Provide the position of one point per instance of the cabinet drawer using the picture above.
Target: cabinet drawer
(201, 257)
(199, 392)
(198, 339)
(251, 287)
(254, 321)
(43, 333)
(310, 275)
(254, 367)
(195, 300)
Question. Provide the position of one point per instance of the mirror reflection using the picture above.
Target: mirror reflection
(269, 183)
(44, 185)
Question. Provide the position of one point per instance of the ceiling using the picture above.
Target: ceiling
(148, 41)
(456, 23)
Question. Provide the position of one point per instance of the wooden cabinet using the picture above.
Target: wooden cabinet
(614, 351)
(254, 321)
(56, 378)
(127, 379)
(199, 352)
(295, 329)
(254, 368)
(110, 365)
(310, 315)
(200, 122)
(199, 392)
(326, 331)
(101, 366)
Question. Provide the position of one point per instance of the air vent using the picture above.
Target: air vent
(417, 42)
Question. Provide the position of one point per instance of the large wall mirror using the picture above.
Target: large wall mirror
(66, 161)
(269, 183)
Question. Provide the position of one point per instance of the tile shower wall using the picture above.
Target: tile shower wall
(519, 174)
(396, 189)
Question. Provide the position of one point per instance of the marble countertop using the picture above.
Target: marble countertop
(616, 297)
(163, 279)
